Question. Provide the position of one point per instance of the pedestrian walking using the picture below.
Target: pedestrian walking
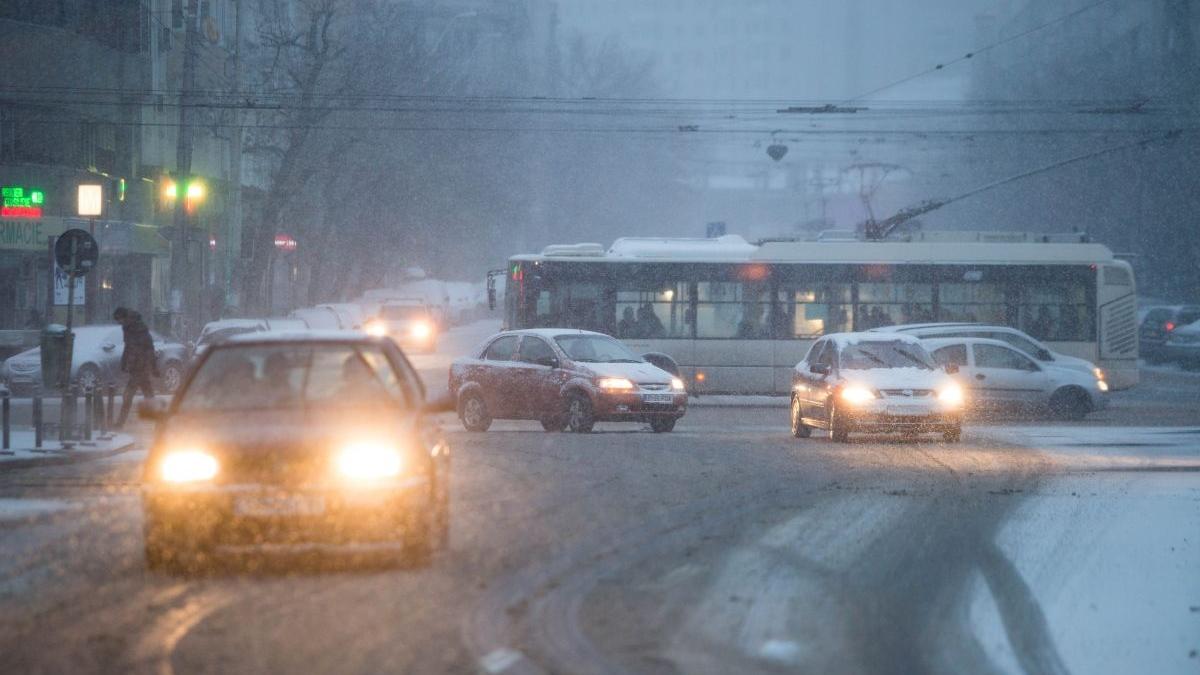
(137, 359)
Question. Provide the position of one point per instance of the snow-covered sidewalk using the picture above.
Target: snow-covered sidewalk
(23, 453)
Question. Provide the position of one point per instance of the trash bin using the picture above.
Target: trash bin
(57, 344)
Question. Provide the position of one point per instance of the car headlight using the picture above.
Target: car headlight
(375, 328)
(1099, 373)
(951, 395)
(856, 395)
(677, 384)
(1101, 385)
(421, 330)
(615, 384)
(368, 460)
(188, 466)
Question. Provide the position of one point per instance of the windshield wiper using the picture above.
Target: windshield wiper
(625, 361)
(913, 358)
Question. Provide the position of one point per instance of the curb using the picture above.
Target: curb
(61, 459)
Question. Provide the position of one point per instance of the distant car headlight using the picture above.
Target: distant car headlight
(856, 395)
(615, 384)
(188, 466)
(421, 330)
(368, 460)
(677, 384)
(375, 328)
(1101, 385)
(951, 395)
(1098, 372)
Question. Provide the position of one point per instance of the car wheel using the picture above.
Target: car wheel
(662, 425)
(473, 413)
(580, 418)
(172, 376)
(1070, 404)
(88, 377)
(418, 539)
(839, 429)
(952, 434)
(799, 428)
(554, 423)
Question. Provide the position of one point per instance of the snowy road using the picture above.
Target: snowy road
(724, 547)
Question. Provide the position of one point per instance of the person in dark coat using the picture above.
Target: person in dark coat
(138, 359)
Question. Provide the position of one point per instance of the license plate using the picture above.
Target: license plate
(906, 410)
(657, 398)
(279, 505)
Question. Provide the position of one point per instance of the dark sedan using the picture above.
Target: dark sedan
(566, 379)
(294, 442)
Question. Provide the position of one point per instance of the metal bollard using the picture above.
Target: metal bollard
(112, 399)
(98, 411)
(89, 412)
(66, 414)
(6, 413)
(37, 421)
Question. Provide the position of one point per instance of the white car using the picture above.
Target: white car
(223, 329)
(874, 383)
(1013, 337)
(414, 326)
(997, 375)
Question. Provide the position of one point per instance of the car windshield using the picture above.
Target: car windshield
(595, 349)
(402, 313)
(878, 354)
(255, 377)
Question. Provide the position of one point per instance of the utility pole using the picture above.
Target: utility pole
(232, 243)
(181, 267)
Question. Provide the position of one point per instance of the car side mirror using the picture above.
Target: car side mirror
(152, 410)
(549, 361)
(820, 368)
(108, 346)
(951, 368)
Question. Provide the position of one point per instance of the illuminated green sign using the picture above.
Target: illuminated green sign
(19, 202)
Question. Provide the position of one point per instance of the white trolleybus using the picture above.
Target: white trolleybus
(737, 317)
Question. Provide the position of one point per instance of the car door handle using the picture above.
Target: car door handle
(980, 376)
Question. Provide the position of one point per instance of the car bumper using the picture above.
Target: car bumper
(880, 418)
(252, 515)
(635, 407)
(1182, 353)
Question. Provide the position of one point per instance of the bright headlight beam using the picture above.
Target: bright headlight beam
(857, 395)
(616, 383)
(421, 330)
(951, 395)
(188, 466)
(367, 460)
(375, 328)
(677, 384)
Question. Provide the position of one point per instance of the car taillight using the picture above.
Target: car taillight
(1169, 326)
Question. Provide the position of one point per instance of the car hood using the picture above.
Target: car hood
(641, 372)
(1070, 363)
(248, 433)
(897, 378)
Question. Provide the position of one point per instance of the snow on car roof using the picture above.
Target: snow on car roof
(556, 332)
(284, 336)
(843, 340)
(219, 324)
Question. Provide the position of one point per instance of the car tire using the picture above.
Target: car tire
(952, 434)
(1070, 403)
(799, 428)
(554, 424)
(580, 417)
(172, 376)
(839, 430)
(474, 413)
(88, 377)
(662, 425)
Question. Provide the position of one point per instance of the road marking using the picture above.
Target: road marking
(784, 651)
(158, 644)
(500, 659)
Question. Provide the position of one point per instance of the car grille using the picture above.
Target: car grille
(24, 367)
(653, 387)
(907, 393)
(274, 469)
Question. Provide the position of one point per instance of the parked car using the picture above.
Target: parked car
(223, 329)
(566, 379)
(1183, 346)
(1013, 337)
(283, 442)
(997, 375)
(414, 325)
(1159, 324)
(96, 361)
(873, 383)
(320, 318)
